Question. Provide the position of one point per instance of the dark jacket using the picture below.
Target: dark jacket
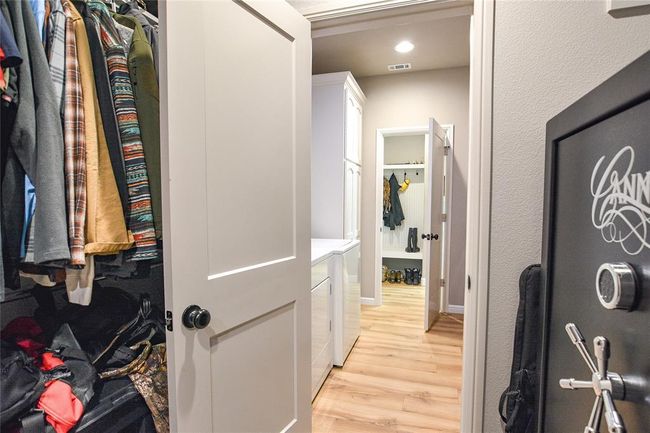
(132, 9)
(395, 215)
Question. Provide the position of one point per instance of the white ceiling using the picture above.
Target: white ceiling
(439, 43)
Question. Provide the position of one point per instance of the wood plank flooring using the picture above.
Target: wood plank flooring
(397, 379)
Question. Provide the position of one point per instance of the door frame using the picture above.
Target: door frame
(479, 190)
(477, 245)
(379, 204)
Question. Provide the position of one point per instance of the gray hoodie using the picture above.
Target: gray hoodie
(36, 138)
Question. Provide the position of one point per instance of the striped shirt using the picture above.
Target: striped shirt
(139, 215)
(74, 138)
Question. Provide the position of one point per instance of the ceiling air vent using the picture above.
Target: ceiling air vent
(399, 67)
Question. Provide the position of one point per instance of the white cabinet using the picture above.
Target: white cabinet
(321, 323)
(321, 341)
(347, 301)
(337, 109)
(353, 115)
(352, 198)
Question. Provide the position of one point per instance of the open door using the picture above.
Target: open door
(235, 88)
(432, 236)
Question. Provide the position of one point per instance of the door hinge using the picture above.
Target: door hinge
(330, 326)
(469, 283)
(442, 282)
(447, 147)
(330, 288)
(444, 217)
(169, 321)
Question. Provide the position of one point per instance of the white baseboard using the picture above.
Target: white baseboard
(456, 309)
(368, 301)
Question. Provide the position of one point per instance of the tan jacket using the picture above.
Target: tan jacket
(106, 231)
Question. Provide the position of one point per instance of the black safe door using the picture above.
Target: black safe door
(598, 211)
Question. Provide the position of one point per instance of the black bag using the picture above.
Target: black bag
(22, 383)
(117, 407)
(518, 403)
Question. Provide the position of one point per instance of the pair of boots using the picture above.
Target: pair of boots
(413, 276)
(412, 246)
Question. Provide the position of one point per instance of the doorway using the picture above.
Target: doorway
(394, 359)
(403, 255)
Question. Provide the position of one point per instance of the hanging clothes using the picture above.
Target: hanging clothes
(395, 215)
(36, 140)
(105, 227)
(140, 216)
(145, 91)
(105, 98)
(131, 8)
(55, 40)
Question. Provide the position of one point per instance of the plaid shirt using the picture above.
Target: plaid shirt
(140, 214)
(74, 137)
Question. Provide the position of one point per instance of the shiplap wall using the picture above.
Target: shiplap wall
(412, 201)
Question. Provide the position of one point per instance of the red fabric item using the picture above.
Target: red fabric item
(27, 334)
(3, 85)
(62, 408)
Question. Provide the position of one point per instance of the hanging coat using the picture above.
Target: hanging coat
(395, 215)
(36, 139)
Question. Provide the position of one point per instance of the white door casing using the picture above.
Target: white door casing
(432, 262)
(235, 98)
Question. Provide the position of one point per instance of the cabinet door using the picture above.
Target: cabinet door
(239, 250)
(349, 205)
(357, 204)
(351, 298)
(321, 338)
(352, 128)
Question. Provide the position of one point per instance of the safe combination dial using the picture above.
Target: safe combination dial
(616, 286)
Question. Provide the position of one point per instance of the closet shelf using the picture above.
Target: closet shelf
(401, 255)
(403, 166)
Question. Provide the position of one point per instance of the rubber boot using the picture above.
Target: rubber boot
(409, 244)
(414, 242)
(417, 277)
(409, 276)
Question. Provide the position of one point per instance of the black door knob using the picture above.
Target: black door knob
(435, 236)
(195, 317)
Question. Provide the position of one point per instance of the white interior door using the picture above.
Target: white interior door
(235, 89)
(432, 237)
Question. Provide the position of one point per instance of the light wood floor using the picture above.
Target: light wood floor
(397, 378)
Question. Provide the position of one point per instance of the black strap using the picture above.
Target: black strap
(33, 423)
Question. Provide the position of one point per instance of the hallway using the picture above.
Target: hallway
(397, 379)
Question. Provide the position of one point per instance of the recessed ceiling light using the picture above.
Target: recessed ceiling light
(404, 47)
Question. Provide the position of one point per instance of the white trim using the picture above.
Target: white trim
(455, 309)
(354, 11)
(446, 253)
(379, 196)
(379, 213)
(387, 18)
(369, 301)
(379, 203)
(478, 216)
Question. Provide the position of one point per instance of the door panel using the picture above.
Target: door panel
(584, 238)
(255, 121)
(434, 155)
(235, 87)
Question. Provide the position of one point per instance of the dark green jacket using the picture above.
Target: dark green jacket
(145, 91)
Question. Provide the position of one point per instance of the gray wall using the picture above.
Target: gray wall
(409, 99)
(547, 55)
